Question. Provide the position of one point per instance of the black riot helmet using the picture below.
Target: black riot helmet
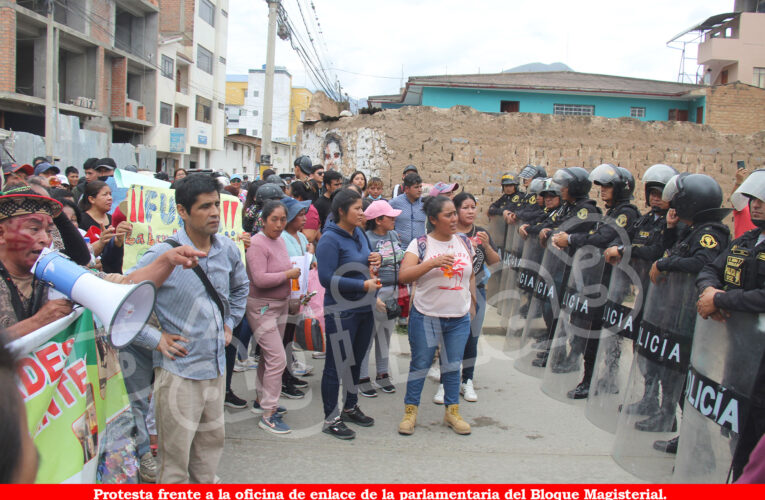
(752, 187)
(656, 177)
(268, 192)
(305, 164)
(509, 179)
(532, 172)
(550, 187)
(620, 178)
(695, 197)
(576, 179)
(537, 185)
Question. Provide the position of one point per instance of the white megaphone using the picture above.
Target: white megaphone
(123, 309)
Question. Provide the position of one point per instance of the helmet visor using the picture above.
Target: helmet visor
(528, 172)
(562, 178)
(671, 189)
(604, 174)
(537, 185)
(753, 186)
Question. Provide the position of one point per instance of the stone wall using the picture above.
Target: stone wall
(736, 108)
(473, 148)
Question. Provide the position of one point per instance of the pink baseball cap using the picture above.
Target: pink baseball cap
(379, 208)
(443, 188)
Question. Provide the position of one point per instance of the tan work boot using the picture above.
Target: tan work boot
(453, 419)
(407, 423)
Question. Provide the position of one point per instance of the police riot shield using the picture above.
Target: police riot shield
(725, 361)
(497, 232)
(543, 311)
(574, 344)
(657, 378)
(621, 319)
(503, 304)
(512, 292)
(524, 278)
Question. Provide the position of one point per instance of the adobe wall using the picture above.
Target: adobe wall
(473, 148)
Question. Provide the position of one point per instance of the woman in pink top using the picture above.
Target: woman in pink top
(270, 272)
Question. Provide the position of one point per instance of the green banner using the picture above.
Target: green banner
(77, 407)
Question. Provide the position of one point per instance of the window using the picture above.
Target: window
(224, 13)
(207, 12)
(242, 112)
(222, 60)
(759, 77)
(254, 93)
(168, 65)
(679, 115)
(221, 106)
(254, 112)
(203, 110)
(574, 109)
(204, 59)
(509, 106)
(636, 112)
(243, 131)
(165, 113)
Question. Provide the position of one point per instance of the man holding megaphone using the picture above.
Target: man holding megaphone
(26, 221)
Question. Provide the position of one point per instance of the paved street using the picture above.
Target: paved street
(519, 434)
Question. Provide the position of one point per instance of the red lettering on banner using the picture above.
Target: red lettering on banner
(78, 372)
(234, 205)
(67, 347)
(31, 376)
(53, 410)
(51, 360)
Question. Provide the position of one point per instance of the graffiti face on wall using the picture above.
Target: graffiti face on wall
(332, 152)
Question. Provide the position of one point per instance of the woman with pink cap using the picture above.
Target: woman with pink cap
(381, 221)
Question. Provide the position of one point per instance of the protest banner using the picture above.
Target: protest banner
(77, 407)
(154, 217)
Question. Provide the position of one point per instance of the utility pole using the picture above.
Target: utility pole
(51, 84)
(268, 94)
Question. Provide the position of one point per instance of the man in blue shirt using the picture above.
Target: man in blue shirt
(410, 224)
(189, 378)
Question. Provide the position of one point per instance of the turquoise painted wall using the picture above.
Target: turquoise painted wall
(533, 102)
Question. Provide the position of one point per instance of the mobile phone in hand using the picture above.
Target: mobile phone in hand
(741, 164)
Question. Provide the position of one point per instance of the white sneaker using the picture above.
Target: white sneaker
(467, 391)
(438, 398)
(247, 364)
(319, 355)
(300, 369)
(147, 470)
(434, 373)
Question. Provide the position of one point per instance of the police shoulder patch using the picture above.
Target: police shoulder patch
(582, 214)
(761, 256)
(708, 241)
(514, 198)
(532, 199)
(621, 221)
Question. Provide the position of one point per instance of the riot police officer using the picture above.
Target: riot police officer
(510, 199)
(695, 200)
(528, 174)
(646, 247)
(616, 187)
(574, 215)
(735, 283)
(550, 196)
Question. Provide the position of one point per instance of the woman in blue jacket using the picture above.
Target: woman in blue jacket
(344, 262)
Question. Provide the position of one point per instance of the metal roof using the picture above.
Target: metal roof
(558, 81)
(711, 23)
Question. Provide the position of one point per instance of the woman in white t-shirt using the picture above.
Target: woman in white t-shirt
(440, 265)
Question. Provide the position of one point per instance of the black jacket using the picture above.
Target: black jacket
(740, 271)
(648, 236)
(604, 234)
(691, 248)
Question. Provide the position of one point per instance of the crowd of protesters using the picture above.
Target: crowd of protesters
(417, 259)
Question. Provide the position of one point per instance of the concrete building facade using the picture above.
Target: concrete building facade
(95, 60)
(251, 114)
(191, 88)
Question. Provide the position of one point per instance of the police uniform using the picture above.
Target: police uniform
(529, 209)
(603, 235)
(692, 247)
(648, 236)
(740, 272)
(511, 202)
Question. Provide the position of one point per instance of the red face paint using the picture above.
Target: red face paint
(25, 236)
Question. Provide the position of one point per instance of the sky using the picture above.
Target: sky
(368, 44)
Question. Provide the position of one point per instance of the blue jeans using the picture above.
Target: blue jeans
(348, 335)
(425, 334)
(471, 346)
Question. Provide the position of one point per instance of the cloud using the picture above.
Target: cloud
(430, 37)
